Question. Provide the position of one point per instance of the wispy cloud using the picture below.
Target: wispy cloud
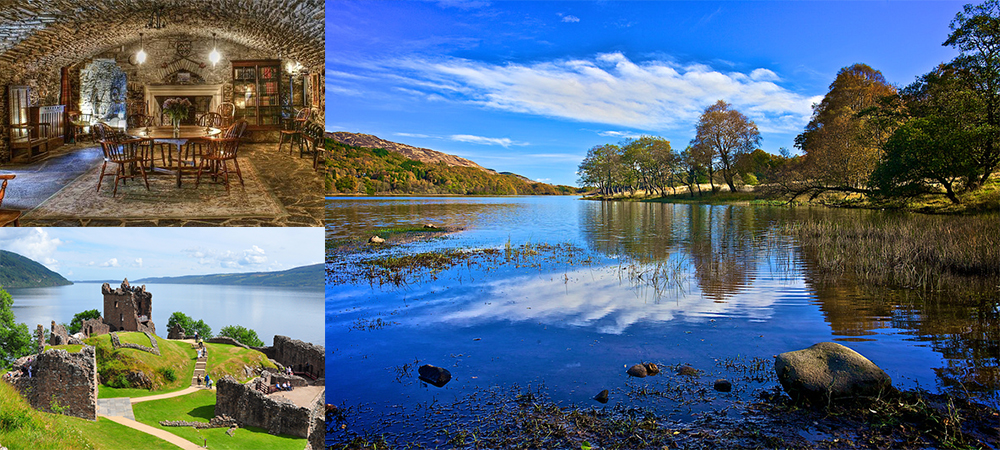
(113, 262)
(504, 142)
(32, 243)
(619, 134)
(254, 257)
(137, 262)
(414, 135)
(569, 18)
(463, 4)
(608, 88)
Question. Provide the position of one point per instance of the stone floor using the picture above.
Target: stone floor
(289, 178)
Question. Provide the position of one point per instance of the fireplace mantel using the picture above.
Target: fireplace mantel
(194, 90)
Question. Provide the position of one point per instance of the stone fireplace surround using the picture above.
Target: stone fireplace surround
(180, 90)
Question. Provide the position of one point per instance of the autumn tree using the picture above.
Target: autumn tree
(598, 168)
(842, 148)
(723, 134)
(976, 34)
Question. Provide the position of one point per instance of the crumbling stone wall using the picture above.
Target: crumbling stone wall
(128, 308)
(252, 408)
(301, 356)
(94, 327)
(59, 381)
(177, 332)
(59, 335)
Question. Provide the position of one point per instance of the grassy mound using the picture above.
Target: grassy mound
(22, 427)
(170, 371)
(200, 407)
(226, 359)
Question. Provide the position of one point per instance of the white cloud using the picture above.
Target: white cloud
(254, 257)
(504, 142)
(608, 88)
(32, 243)
(113, 262)
(415, 135)
(570, 19)
(620, 134)
(138, 262)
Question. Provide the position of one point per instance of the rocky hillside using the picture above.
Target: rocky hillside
(424, 155)
(17, 271)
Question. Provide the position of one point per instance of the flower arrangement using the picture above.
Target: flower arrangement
(176, 108)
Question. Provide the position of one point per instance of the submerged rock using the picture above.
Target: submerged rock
(602, 397)
(687, 371)
(375, 240)
(638, 371)
(652, 368)
(829, 371)
(723, 385)
(434, 375)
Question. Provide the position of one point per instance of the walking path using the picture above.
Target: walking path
(119, 410)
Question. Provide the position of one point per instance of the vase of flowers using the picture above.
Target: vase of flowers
(177, 110)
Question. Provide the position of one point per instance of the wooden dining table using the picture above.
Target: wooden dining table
(179, 138)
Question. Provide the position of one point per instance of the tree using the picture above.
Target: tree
(976, 34)
(15, 340)
(76, 324)
(189, 325)
(841, 146)
(724, 133)
(243, 335)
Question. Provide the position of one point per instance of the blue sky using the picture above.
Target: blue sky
(529, 86)
(118, 253)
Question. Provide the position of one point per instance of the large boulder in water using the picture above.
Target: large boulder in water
(638, 371)
(828, 371)
(434, 375)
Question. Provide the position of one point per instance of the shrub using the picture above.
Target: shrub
(243, 335)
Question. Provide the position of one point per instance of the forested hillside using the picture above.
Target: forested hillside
(358, 170)
(17, 271)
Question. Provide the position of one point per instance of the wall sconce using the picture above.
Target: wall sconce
(214, 56)
(294, 67)
(140, 56)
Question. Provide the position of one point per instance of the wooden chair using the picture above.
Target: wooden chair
(80, 122)
(7, 216)
(195, 146)
(228, 112)
(221, 150)
(125, 153)
(315, 142)
(148, 147)
(294, 134)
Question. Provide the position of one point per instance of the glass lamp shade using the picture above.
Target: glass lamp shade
(140, 57)
(214, 57)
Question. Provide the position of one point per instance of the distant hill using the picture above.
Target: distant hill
(17, 271)
(366, 164)
(424, 155)
(305, 276)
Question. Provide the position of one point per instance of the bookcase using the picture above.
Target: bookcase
(257, 93)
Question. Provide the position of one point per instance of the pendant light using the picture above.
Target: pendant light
(140, 56)
(214, 56)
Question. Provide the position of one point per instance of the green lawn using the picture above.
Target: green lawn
(175, 356)
(200, 407)
(68, 348)
(23, 428)
(226, 359)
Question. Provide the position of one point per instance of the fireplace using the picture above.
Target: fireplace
(203, 97)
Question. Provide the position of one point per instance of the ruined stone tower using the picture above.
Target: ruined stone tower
(128, 308)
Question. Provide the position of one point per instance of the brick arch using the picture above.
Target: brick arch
(58, 33)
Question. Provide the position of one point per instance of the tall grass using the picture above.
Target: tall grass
(920, 252)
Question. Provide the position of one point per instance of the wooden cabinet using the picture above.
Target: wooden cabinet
(257, 93)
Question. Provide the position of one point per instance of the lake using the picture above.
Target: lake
(565, 294)
(296, 313)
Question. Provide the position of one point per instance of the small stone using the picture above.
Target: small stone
(638, 371)
(652, 368)
(434, 375)
(375, 240)
(602, 397)
(430, 226)
(687, 371)
(722, 385)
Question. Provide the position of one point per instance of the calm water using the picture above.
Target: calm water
(296, 313)
(718, 287)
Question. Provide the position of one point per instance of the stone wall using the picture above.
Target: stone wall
(94, 327)
(128, 308)
(301, 356)
(60, 382)
(59, 335)
(252, 408)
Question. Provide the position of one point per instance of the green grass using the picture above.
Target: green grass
(226, 359)
(200, 407)
(178, 356)
(68, 348)
(23, 428)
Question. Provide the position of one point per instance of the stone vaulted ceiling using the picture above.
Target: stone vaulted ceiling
(39, 35)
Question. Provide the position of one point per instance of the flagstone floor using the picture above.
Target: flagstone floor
(290, 179)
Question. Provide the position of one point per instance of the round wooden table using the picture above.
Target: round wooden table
(167, 135)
